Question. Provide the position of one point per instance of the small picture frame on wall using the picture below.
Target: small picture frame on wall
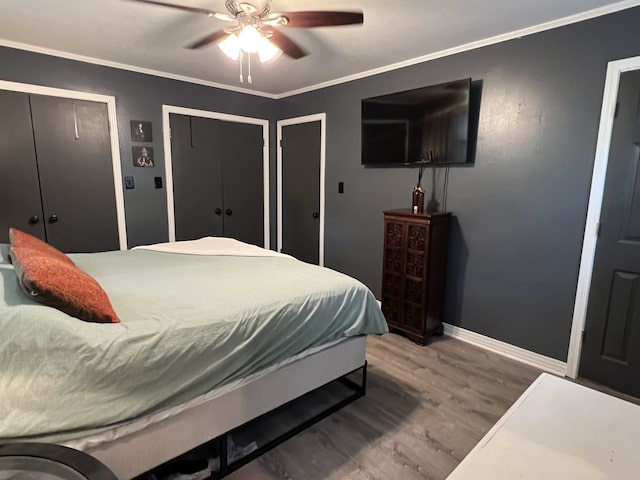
(141, 131)
(142, 156)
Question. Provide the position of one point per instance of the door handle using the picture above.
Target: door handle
(33, 220)
(228, 211)
(53, 218)
(315, 215)
(218, 211)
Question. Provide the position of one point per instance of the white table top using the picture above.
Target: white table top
(559, 430)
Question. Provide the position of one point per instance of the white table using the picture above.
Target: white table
(559, 430)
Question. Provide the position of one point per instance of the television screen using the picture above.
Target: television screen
(424, 124)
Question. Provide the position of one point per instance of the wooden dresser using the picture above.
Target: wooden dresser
(413, 272)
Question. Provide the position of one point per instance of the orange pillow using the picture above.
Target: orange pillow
(20, 239)
(52, 281)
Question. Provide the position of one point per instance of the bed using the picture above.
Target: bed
(213, 333)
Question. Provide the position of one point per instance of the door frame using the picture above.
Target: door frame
(113, 136)
(322, 117)
(610, 96)
(166, 136)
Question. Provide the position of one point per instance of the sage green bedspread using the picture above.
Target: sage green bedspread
(190, 323)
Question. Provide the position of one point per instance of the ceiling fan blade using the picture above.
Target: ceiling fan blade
(211, 38)
(321, 19)
(211, 13)
(284, 43)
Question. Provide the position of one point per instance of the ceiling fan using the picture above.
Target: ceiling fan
(255, 28)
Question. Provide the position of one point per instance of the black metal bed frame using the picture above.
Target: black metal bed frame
(221, 442)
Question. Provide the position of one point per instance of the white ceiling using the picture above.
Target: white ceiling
(150, 38)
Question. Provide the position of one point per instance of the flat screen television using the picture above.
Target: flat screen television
(424, 124)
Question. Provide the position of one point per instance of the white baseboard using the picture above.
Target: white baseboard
(537, 360)
(542, 362)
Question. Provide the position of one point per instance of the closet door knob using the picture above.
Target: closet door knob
(228, 211)
(53, 218)
(33, 220)
(218, 211)
(315, 215)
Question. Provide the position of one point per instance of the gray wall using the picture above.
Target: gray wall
(520, 209)
(138, 97)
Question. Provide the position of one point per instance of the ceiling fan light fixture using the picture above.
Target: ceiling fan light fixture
(249, 39)
(230, 46)
(267, 51)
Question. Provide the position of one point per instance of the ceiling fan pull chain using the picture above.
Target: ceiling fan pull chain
(75, 120)
(241, 55)
(249, 68)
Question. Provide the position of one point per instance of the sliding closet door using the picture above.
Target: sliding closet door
(20, 205)
(76, 173)
(242, 171)
(197, 177)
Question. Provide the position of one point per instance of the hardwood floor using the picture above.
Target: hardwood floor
(425, 409)
(607, 390)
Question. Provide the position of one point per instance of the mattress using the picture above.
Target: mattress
(127, 429)
(190, 323)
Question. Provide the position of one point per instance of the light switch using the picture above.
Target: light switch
(128, 183)
(340, 187)
(157, 182)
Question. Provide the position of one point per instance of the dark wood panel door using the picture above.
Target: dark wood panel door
(393, 271)
(197, 177)
(611, 350)
(73, 149)
(415, 280)
(242, 171)
(301, 190)
(20, 204)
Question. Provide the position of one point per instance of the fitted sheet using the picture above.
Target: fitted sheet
(189, 324)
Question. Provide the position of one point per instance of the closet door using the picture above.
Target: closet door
(76, 173)
(20, 204)
(197, 177)
(301, 147)
(242, 171)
